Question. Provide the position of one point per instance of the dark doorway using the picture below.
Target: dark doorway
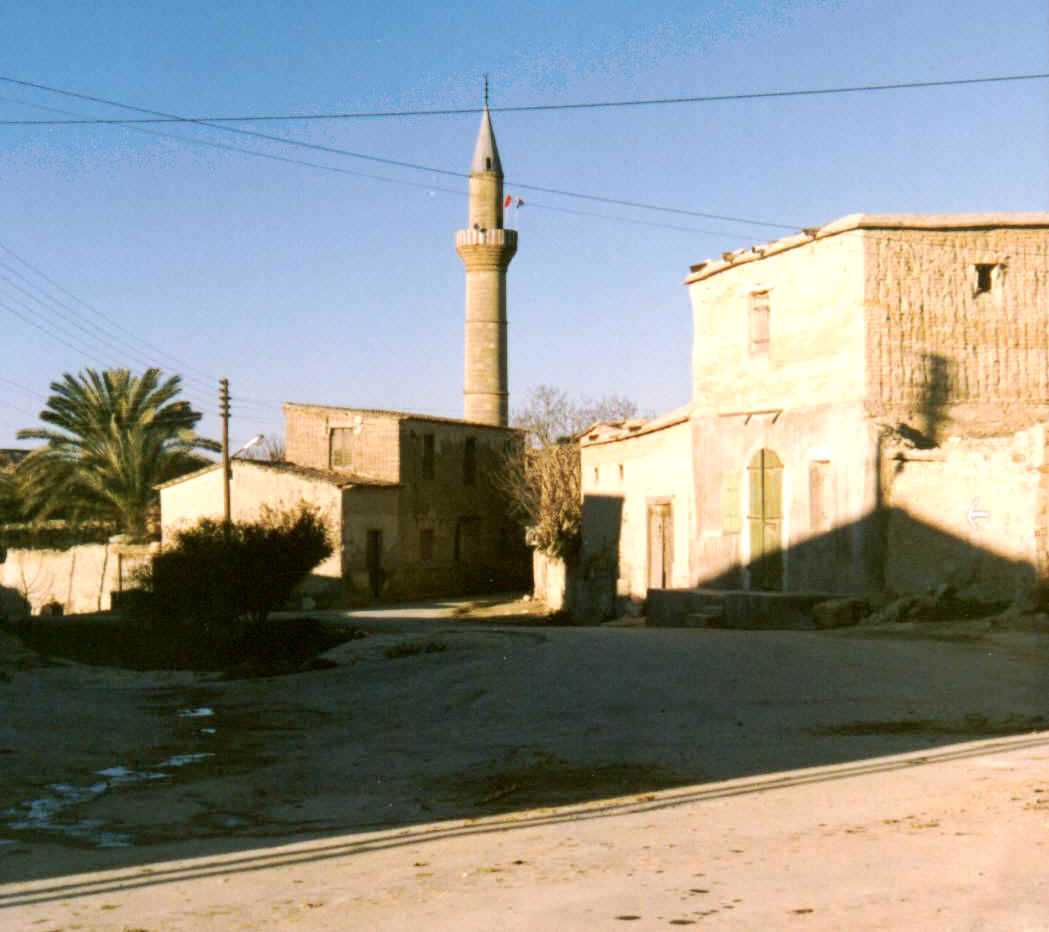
(660, 545)
(765, 521)
(374, 562)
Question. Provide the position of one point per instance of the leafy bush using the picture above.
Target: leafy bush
(214, 575)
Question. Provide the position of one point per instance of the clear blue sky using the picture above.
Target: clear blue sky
(310, 286)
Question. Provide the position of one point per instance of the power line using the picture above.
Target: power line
(414, 166)
(531, 108)
(457, 192)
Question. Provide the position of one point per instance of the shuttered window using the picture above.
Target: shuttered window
(759, 323)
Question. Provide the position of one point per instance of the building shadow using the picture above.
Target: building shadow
(596, 570)
(611, 712)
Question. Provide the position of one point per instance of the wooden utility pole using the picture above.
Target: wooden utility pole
(224, 414)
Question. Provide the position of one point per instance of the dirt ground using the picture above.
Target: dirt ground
(444, 714)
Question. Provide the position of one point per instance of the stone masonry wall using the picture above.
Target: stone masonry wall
(932, 339)
(371, 441)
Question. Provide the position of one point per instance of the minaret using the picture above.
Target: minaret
(486, 249)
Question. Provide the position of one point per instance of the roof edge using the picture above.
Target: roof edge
(1016, 220)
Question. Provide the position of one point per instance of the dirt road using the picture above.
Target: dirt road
(431, 719)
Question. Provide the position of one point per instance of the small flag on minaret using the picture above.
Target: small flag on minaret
(509, 200)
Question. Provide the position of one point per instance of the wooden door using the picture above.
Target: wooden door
(765, 521)
(374, 561)
(660, 546)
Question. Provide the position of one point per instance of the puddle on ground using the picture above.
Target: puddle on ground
(43, 815)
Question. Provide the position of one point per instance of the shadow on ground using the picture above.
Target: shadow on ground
(114, 769)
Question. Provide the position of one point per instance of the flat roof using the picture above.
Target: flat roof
(400, 415)
(972, 221)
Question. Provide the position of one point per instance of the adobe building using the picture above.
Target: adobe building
(412, 500)
(868, 415)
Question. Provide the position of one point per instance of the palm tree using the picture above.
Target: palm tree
(112, 437)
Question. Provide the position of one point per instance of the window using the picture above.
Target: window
(759, 323)
(470, 461)
(597, 474)
(426, 545)
(428, 456)
(620, 472)
(984, 277)
(342, 447)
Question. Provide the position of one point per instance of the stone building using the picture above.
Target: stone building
(868, 413)
(411, 499)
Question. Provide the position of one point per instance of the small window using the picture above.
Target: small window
(759, 323)
(426, 545)
(488, 164)
(428, 456)
(984, 277)
(597, 474)
(470, 461)
(620, 472)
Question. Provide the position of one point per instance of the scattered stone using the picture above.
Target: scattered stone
(838, 613)
(899, 610)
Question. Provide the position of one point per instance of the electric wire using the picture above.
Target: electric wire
(530, 108)
(532, 205)
(414, 166)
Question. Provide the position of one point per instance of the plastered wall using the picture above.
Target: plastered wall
(641, 470)
(252, 487)
(81, 579)
(816, 347)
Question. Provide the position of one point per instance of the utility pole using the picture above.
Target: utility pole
(224, 414)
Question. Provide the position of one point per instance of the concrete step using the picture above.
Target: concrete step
(713, 608)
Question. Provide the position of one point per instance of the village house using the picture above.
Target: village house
(412, 500)
(868, 415)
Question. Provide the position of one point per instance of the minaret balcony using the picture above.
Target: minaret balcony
(501, 237)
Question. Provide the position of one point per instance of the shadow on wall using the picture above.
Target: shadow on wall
(13, 605)
(889, 550)
(597, 572)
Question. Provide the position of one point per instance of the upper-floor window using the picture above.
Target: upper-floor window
(759, 323)
(342, 447)
(986, 274)
(428, 456)
(470, 461)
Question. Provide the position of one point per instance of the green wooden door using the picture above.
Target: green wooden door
(765, 520)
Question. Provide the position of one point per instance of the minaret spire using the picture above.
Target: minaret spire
(486, 249)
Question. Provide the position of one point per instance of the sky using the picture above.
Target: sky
(304, 284)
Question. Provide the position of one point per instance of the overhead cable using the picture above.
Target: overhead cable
(414, 166)
(528, 108)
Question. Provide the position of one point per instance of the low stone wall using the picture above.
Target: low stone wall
(550, 580)
(81, 579)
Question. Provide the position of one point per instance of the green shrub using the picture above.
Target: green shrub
(214, 576)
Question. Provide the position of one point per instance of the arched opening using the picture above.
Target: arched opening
(765, 521)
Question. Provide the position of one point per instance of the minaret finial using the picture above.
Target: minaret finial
(486, 90)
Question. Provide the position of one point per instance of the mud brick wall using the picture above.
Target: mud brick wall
(933, 337)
